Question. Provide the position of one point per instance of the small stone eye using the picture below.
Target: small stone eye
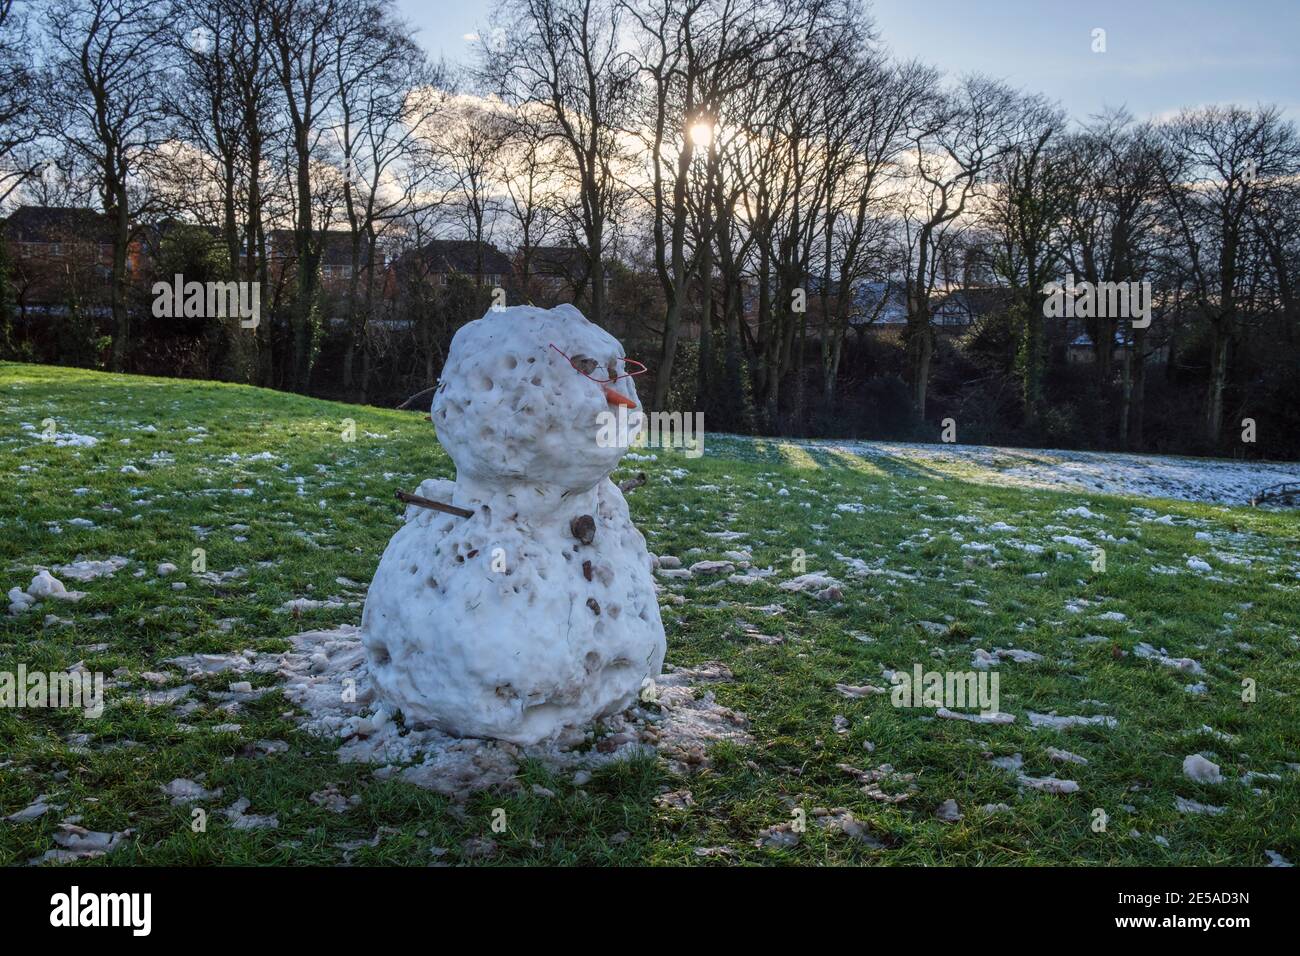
(584, 364)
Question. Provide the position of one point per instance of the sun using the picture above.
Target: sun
(702, 133)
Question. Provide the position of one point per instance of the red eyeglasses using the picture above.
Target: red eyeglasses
(641, 369)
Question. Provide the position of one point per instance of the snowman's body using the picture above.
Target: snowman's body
(512, 624)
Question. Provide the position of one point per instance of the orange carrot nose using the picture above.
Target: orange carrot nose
(615, 397)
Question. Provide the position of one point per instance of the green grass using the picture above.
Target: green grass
(1245, 625)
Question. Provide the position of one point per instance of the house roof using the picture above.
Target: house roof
(884, 300)
(560, 262)
(335, 245)
(460, 255)
(974, 302)
(58, 224)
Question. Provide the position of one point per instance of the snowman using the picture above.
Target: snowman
(537, 613)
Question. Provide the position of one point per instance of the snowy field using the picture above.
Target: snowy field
(208, 549)
(1209, 480)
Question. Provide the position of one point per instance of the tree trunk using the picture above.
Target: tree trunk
(1138, 408)
(921, 349)
(733, 385)
(1126, 397)
(705, 380)
(306, 277)
(121, 315)
(1032, 363)
(1219, 342)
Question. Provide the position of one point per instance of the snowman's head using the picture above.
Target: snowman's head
(528, 396)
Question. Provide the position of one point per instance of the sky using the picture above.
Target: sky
(1160, 55)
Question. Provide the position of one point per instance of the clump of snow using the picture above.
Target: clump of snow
(983, 660)
(752, 576)
(1196, 767)
(72, 440)
(995, 718)
(183, 791)
(818, 583)
(841, 820)
(1161, 656)
(47, 586)
(167, 696)
(82, 570)
(948, 812)
(78, 843)
(235, 457)
(240, 819)
(1183, 805)
(19, 601)
(1054, 722)
(873, 782)
(33, 811)
(246, 661)
(688, 724)
(1048, 784)
(298, 605)
(327, 674)
(1064, 756)
(1080, 512)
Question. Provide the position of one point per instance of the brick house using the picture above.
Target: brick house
(555, 273)
(440, 259)
(61, 253)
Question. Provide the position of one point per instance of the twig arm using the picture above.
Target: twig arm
(635, 482)
(410, 499)
(419, 401)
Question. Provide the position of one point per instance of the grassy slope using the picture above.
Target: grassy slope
(340, 523)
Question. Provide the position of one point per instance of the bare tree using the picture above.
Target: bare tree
(1219, 157)
(1110, 231)
(107, 68)
(956, 139)
(868, 115)
(1025, 204)
(1275, 220)
(305, 39)
(469, 141)
(527, 170)
(567, 56)
(18, 91)
(387, 93)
